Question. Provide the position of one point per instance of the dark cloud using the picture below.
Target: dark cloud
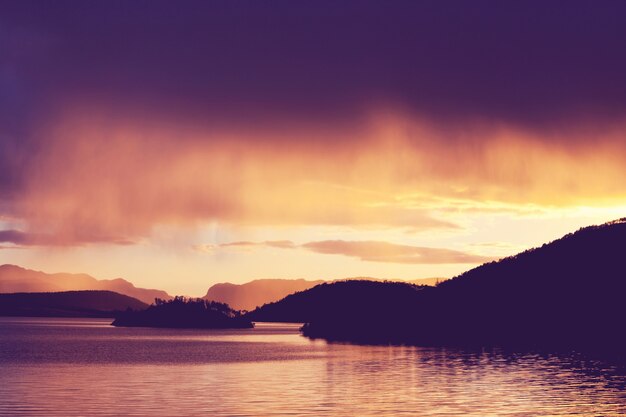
(17, 237)
(526, 62)
(252, 65)
(20, 239)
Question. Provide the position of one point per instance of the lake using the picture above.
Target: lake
(79, 367)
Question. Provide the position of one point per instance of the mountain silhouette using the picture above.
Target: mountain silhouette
(569, 292)
(67, 304)
(257, 292)
(345, 300)
(14, 279)
(262, 291)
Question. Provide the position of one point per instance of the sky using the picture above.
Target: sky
(178, 145)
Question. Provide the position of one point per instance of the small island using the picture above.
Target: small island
(184, 313)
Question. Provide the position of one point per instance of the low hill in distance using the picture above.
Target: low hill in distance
(431, 282)
(258, 292)
(184, 313)
(67, 304)
(569, 292)
(15, 279)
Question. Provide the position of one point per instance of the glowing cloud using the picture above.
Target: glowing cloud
(114, 184)
(373, 251)
(389, 252)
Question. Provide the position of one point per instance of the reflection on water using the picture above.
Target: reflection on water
(71, 367)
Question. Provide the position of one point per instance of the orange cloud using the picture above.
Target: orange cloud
(97, 179)
(373, 251)
(284, 244)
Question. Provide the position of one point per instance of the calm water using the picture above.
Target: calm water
(71, 367)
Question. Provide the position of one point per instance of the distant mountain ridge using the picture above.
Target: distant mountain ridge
(247, 296)
(67, 304)
(258, 292)
(14, 279)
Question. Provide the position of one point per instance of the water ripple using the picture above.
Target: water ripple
(84, 367)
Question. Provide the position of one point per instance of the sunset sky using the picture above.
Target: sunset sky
(178, 145)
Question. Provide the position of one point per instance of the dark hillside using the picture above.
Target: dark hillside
(354, 305)
(67, 304)
(569, 292)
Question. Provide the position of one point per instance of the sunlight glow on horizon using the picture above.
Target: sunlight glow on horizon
(146, 195)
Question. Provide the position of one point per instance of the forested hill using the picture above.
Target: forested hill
(571, 289)
(568, 292)
(67, 304)
(341, 300)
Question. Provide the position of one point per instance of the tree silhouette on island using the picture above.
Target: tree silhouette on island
(182, 312)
